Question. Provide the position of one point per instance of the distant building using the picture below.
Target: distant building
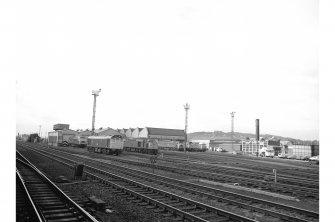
(253, 146)
(107, 132)
(122, 131)
(129, 133)
(136, 132)
(300, 150)
(275, 146)
(163, 134)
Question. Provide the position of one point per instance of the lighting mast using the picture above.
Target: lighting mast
(232, 130)
(95, 93)
(186, 107)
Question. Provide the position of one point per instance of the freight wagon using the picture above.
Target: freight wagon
(105, 144)
(79, 141)
(147, 146)
(61, 137)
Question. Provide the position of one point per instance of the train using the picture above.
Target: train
(78, 141)
(105, 144)
(179, 146)
(146, 146)
(115, 144)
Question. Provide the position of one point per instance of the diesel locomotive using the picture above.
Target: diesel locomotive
(105, 144)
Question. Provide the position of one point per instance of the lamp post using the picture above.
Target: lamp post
(95, 93)
(186, 107)
(232, 130)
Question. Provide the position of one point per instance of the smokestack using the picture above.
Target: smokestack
(257, 129)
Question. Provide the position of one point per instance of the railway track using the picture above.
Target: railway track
(266, 208)
(244, 162)
(281, 188)
(170, 204)
(289, 180)
(45, 201)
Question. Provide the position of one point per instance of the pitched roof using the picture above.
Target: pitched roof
(165, 132)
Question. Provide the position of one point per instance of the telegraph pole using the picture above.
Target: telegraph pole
(232, 130)
(95, 93)
(39, 131)
(186, 107)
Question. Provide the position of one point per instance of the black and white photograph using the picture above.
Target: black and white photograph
(148, 110)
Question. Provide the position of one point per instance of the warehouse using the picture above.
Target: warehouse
(163, 134)
(129, 132)
(136, 132)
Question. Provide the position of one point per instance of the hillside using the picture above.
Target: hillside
(219, 135)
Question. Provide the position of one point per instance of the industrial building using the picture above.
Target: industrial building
(129, 132)
(252, 146)
(61, 135)
(163, 134)
(275, 146)
(136, 132)
(300, 150)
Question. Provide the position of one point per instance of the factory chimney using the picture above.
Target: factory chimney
(257, 129)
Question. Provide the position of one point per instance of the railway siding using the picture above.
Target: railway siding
(231, 201)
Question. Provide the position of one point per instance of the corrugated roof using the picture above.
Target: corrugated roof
(165, 132)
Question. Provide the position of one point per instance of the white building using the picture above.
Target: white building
(136, 132)
(253, 146)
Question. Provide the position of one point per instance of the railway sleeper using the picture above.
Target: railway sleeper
(59, 215)
(71, 219)
(53, 207)
(49, 212)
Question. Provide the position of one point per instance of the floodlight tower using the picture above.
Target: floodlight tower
(186, 107)
(95, 93)
(232, 130)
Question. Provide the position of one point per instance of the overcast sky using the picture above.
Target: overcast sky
(257, 58)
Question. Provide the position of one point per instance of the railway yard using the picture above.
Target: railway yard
(171, 186)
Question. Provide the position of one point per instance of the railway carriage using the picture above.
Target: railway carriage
(146, 146)
(105, 144)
